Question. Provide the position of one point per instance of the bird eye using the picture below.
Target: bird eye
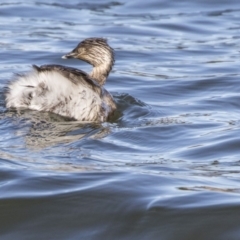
(81, 50)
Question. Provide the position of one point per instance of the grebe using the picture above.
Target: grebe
(67, 91)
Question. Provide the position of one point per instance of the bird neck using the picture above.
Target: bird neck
(101, 72)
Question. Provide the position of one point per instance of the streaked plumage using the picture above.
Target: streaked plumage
(68, 91)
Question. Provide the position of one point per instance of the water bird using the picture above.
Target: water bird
(68, 91)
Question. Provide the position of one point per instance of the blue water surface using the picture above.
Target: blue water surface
(168, 166)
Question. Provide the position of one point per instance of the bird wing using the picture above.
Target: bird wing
(75, 75)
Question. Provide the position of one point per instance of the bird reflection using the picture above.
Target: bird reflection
(48, 129)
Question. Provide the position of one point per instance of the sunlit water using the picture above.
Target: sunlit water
(168, 167)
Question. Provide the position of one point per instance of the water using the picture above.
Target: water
(168, 166)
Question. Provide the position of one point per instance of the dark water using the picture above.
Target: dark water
(168, 167)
